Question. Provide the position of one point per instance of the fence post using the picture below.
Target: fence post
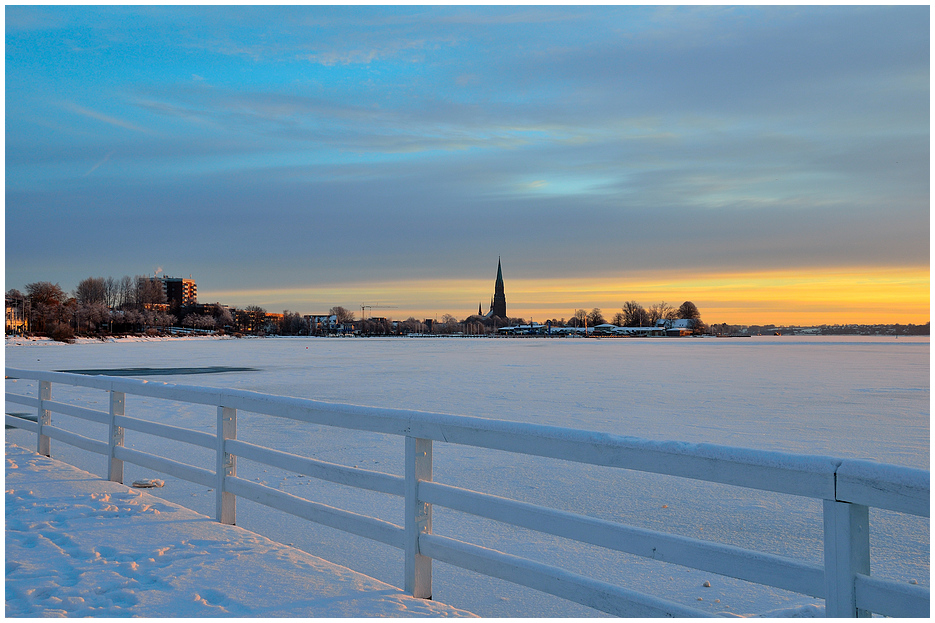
(115, 466)
(847, 553)
(44, 418)
(225, 502)
(418, 581)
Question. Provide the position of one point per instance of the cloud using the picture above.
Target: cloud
(96, 166)
(424, 141)
(32, 18)
(114, 121)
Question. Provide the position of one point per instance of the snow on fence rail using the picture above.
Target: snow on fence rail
(847, 487)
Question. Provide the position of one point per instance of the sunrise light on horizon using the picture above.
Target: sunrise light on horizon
(804, 298)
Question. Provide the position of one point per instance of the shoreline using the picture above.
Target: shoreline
(129, 339)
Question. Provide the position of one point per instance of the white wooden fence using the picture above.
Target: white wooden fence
(847, 487)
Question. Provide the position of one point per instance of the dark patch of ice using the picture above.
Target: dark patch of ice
(159, 371)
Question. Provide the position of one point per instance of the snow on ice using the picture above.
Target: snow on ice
(843, 397)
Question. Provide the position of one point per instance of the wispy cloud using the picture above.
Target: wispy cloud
(114, 121)
(339, 54)
(98, 165)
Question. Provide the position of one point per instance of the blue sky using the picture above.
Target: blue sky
(304, 157)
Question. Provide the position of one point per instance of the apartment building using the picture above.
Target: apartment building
(179, 292)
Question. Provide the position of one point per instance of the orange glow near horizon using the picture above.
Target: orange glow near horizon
(801, 297)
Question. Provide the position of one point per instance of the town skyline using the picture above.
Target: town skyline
(618, 300)
(770, 164)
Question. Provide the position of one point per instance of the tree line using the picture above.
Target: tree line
(125, 304)
(632, 314)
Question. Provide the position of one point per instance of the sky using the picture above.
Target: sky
(770, 164)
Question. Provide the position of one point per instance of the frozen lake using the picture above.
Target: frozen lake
(839, 396)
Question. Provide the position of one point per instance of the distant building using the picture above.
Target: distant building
(179, 292)
(211, 309)
(320, 323)
(16, 321)
(680, 327)
(273, 323)
(498, 302)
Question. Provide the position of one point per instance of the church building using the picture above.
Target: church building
(498, 302)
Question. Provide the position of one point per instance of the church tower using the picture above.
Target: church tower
(498, 305)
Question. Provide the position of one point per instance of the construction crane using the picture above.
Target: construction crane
(363, 307)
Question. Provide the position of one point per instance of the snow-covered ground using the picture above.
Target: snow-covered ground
(79, 546)
(841, 396)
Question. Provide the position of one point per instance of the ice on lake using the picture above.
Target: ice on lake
(838, 396)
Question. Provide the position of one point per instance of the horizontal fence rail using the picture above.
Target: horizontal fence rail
(361, 525)
(848, 488)
(792, 575)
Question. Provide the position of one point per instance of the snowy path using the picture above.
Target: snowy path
(77, 545)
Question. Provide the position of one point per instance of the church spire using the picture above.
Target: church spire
(498, 305)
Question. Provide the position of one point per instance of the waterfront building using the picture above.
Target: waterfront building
(16, 316)
(179, 292)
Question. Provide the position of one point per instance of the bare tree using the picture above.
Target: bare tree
(149, 292)
(224, 318)
(126, 320)
(147, 318)
(344, 315)
(293, 323)
(578, 318)
(164, 319)
(595, 317)
(256, 318)
(634, 315)
(207, 322)
(92, 316)
(199, 321)
(660, 311)
(376, 326)
(45, 292)
(91, 290)
(411, 325)
(46, 303)
(127, 293)
(111, 292)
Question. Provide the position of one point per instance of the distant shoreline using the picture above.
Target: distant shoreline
(13, 341)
